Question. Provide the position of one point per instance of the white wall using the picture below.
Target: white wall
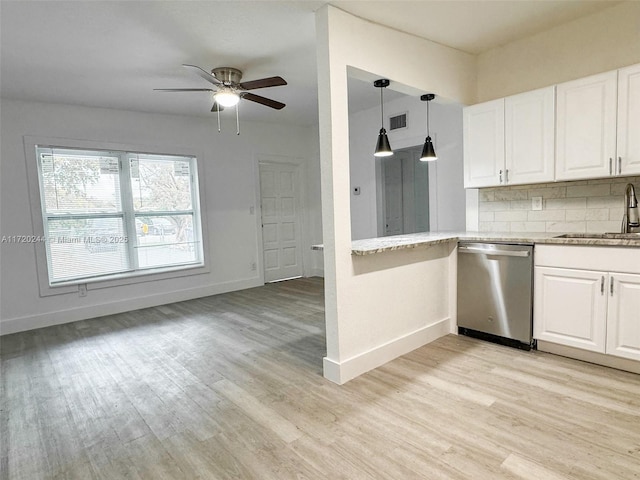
(229, 183)
(448, 206)
(596, 43)
(446, 189)
(376, 308)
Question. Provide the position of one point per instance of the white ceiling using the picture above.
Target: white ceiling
(113, 54)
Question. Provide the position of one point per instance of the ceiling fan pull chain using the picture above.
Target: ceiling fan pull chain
(218, 110)
(237, 121)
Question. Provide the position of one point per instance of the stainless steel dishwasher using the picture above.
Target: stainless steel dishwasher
(495, 292)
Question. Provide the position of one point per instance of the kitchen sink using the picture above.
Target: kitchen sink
(606, 236)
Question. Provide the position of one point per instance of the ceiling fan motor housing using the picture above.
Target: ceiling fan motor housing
(227, 75)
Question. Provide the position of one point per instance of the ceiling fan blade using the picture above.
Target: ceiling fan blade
(263, 83)
(217, 107)
(263, 101)
(204, 74)
(183, 89)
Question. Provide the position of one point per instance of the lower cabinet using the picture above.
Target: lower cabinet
(587, 309)
(623, 320)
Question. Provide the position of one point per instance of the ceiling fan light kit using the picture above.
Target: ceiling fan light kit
(226, 97)
(383, 148)
(229, 91)
(428, 152)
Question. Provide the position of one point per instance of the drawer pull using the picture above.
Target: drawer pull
(602, 285)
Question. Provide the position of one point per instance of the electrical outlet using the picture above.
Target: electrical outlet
(253, 266)
(536, 203)
(252, 210)
(82, 290)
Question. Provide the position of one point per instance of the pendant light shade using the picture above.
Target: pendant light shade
(428, 152)
(383, 148)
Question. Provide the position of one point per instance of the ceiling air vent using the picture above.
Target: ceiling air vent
(399, 121)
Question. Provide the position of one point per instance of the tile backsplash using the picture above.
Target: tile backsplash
(594, 206)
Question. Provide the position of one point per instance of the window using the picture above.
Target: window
(110, 214)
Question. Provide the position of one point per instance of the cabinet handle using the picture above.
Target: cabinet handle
(619, 165)
(602, 285)
(611, 286)
(610, 166)
(500, 176)
(506, 176)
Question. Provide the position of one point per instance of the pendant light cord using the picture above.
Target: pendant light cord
(381, 109)
(428, 132)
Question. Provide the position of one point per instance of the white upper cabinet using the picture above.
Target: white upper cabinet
(529, 137)
(628, 161)
(510, 141)
(586, 127)
(483, 140)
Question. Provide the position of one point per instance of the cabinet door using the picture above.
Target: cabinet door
(623, 323)
(529, 137)
(483, 137)
(570, 307)
(586, 128)
(628, 161)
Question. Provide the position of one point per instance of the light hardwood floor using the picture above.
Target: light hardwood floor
(230, 386)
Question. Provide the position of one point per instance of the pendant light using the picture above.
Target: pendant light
(383, 149)
(428, 152)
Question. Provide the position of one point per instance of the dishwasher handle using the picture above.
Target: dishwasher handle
(494, 252)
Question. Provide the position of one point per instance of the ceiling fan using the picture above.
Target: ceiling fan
(228, 88)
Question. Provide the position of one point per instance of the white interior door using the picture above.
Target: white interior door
(405, 192)
(393, 216)
(279, 197)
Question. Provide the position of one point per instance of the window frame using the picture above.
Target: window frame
(31, 143)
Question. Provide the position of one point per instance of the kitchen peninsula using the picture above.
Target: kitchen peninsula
(410, 283)
(371, 246)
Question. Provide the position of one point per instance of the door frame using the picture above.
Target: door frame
(301, 171)
(380, 192)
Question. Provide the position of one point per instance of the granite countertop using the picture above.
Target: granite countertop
(414, 240)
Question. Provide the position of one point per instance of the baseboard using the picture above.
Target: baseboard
(316, 272)
(591, 357)
(342, 372)
(21, 324)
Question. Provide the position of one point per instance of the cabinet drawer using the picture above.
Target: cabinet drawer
(610, 259)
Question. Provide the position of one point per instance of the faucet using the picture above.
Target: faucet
(630, 221)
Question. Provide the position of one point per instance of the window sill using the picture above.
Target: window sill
(122, 279)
